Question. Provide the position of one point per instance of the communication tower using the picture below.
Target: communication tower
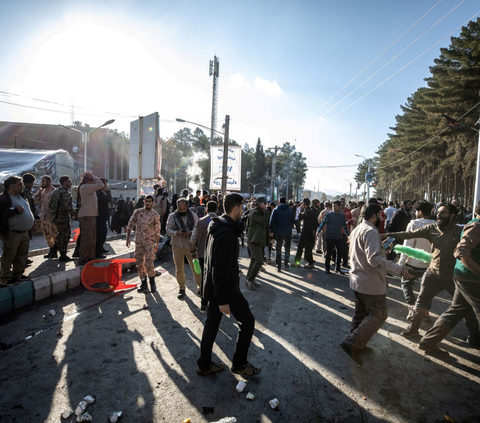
(214, 70)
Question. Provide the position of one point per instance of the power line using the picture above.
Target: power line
(59, 104)
(386, 64)
(398, 71)
(364, 69)
(429, 141)
(58, 111)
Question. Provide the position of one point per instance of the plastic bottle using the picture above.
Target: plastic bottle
(196, 266)
(227, 420)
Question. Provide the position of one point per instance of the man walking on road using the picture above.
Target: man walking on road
(49, 229)
(444, 237)
(146, 222)
(368, 279)
(335, 222)
(257, 238)
(467, 289)
(222, 290)
(16, 220)
(198, 242)
(307, 237)
(61, 209)
(281, 225)
(180, 225)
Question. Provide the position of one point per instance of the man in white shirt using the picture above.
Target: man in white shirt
(389, 211)
(423, 214)
(368, 279)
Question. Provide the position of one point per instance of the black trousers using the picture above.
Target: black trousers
(240, 309)
(307, 241)
(102, 230)
(279, 239)
(332, 244)
(466, 300)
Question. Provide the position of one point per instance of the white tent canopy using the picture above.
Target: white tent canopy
(55, 163)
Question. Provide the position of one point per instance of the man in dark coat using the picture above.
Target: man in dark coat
(281, 224)
(222, 290)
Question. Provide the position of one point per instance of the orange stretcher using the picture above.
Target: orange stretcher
(105, 275)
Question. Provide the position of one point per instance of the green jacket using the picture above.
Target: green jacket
(469, 245)
(443, 244)
(60, 205)
(258, 227)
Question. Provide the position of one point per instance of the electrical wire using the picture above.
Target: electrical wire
(385, 65)
(61, 111)
(60, 104)
(364, 69)
(397, 72)
(429, 141)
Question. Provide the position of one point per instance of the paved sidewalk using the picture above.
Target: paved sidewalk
(143, 360)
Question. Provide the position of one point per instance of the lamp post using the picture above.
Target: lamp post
(366, 182)
(254, 185)
(350, 196)
(86, 139)
(225, 147)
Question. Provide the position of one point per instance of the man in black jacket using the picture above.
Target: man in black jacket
(221, 289)
(307, 238)
(104, 198)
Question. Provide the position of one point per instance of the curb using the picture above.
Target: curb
(54, 283)
(43, 251)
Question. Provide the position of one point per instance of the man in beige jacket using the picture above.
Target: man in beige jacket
(87, 215)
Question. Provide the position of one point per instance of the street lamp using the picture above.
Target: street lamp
(225, 147)
(350, 197)
(86, 139)
(366, 182)
(254, 185)
(274, 165)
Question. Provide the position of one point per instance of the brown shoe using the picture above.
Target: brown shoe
(213, 368)
(247, 370)
(352, 354)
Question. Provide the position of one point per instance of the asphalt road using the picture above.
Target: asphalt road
(142, 361)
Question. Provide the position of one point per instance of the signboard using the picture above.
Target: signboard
(234, 167)
(368, 177)
(151, 148)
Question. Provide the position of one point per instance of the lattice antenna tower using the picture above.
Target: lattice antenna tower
(215, 71)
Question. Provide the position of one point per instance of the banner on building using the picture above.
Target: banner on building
(234, 167)
(151, 148)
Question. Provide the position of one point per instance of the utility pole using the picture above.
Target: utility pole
(215, 71)
(368, 186)
(140, 148)
(272, 182)
(225, 155)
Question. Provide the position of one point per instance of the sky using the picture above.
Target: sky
(326, 76)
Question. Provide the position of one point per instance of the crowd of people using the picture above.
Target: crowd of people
(210, 229)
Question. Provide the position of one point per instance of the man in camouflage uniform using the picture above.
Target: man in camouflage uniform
(146, 222)
(49, 229)
(61, 208)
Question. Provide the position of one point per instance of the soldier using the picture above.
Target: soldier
(146, 222)
(49, 229)
(61, 209)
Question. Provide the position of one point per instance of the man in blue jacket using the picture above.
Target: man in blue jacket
(281, 224)
(221, 289)
(335, 221)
